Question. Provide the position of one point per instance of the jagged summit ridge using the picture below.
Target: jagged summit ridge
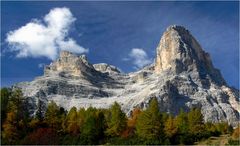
(69, 63)
(182, 77)
(77, 65)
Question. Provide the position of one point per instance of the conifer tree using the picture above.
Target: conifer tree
(18, 104)
(100, 125)
(195, 121)
(18, 107)
(89, 131)
(40, 110)
(170, 127)
(117, 122)
(71, 122)
(81, 117)
(182, 122)
(52, 115)
(149, 125)
(10, 131)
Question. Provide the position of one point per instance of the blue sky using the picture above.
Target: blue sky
(111, 30)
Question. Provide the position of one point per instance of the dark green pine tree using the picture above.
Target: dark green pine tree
(101, 125)
(89, 131)
(40, 110)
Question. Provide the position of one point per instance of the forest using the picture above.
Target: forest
(93, 126)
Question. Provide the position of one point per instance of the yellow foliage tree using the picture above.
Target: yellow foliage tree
(170, 127)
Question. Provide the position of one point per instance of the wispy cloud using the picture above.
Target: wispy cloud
(45, 38)
(139, 57)
(41, 65)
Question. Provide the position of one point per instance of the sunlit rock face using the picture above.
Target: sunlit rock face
(69, 63)
(178, 51)
(182, 77)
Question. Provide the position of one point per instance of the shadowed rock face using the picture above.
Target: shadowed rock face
(182, 77)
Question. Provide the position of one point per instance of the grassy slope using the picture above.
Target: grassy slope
(221, 140)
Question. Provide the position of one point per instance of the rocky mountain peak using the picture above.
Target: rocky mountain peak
(182, 77)
(64, 54)
(178, 51)
(177, 28)
(67, 55)
(69, 63)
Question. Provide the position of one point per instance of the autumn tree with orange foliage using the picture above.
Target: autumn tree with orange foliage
(236, 133)
(131, 123)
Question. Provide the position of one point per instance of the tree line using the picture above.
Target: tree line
(94, 126)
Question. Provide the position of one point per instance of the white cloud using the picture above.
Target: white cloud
(139, 57)
(45, 38)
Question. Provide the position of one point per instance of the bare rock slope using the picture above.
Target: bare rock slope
(182, 77)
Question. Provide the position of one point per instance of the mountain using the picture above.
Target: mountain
(182, 77)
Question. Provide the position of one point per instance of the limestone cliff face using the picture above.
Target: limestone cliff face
(178, 51)
(183, 77)
(71, 64)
